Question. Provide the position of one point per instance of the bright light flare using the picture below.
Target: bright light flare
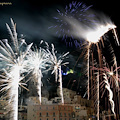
(111, 73)
(94, 35)
(13, 66)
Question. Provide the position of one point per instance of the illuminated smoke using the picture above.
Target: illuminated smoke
(75, 10)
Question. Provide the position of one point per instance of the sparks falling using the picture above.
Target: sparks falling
(93, 37)
(56, 66)
(107, 86)
(110, 76)
(13, 61)
(92, 33)
(37, 63)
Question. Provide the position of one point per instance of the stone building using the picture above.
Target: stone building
(80, 112)
(3, 111)
(49, 112)
(68, 96)
(75, 107)
(22, 112)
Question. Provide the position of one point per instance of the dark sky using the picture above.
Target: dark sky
(34, 17)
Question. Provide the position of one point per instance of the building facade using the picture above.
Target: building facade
(49, 112)
(3, 111)
(75, 107)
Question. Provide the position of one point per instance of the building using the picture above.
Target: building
(83, 102)
(2, 104)
(22, 112)
(80, 112)
(75, 107)
(68, 96)
(49, 112)
(3, 111)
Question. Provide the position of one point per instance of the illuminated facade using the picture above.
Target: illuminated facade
(49, 112)
(75, 107)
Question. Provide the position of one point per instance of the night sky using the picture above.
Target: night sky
(33, 19)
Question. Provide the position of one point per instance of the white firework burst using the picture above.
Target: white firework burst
(56, 63)
(13, 65)
(37, 62)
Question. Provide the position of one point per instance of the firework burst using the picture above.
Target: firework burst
(56, 63)
(37, 62)
(76, 10)
(93, 36)
(13, 67)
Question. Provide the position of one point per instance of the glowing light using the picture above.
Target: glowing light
(37, 62)
(111, 73)
(56, 63)
(13, 66)
(70, 71)
(94, 35)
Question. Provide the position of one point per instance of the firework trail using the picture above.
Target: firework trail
(111, 71)
(107, 86)
(80, 23)
(37, 62)
(60, 86)
(93, 37)
(111, 74)
(56, 63)
(13, 66)
(98, 96)
(113, 77)
(76, 10)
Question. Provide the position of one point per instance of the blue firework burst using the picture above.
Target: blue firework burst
(75, 10)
